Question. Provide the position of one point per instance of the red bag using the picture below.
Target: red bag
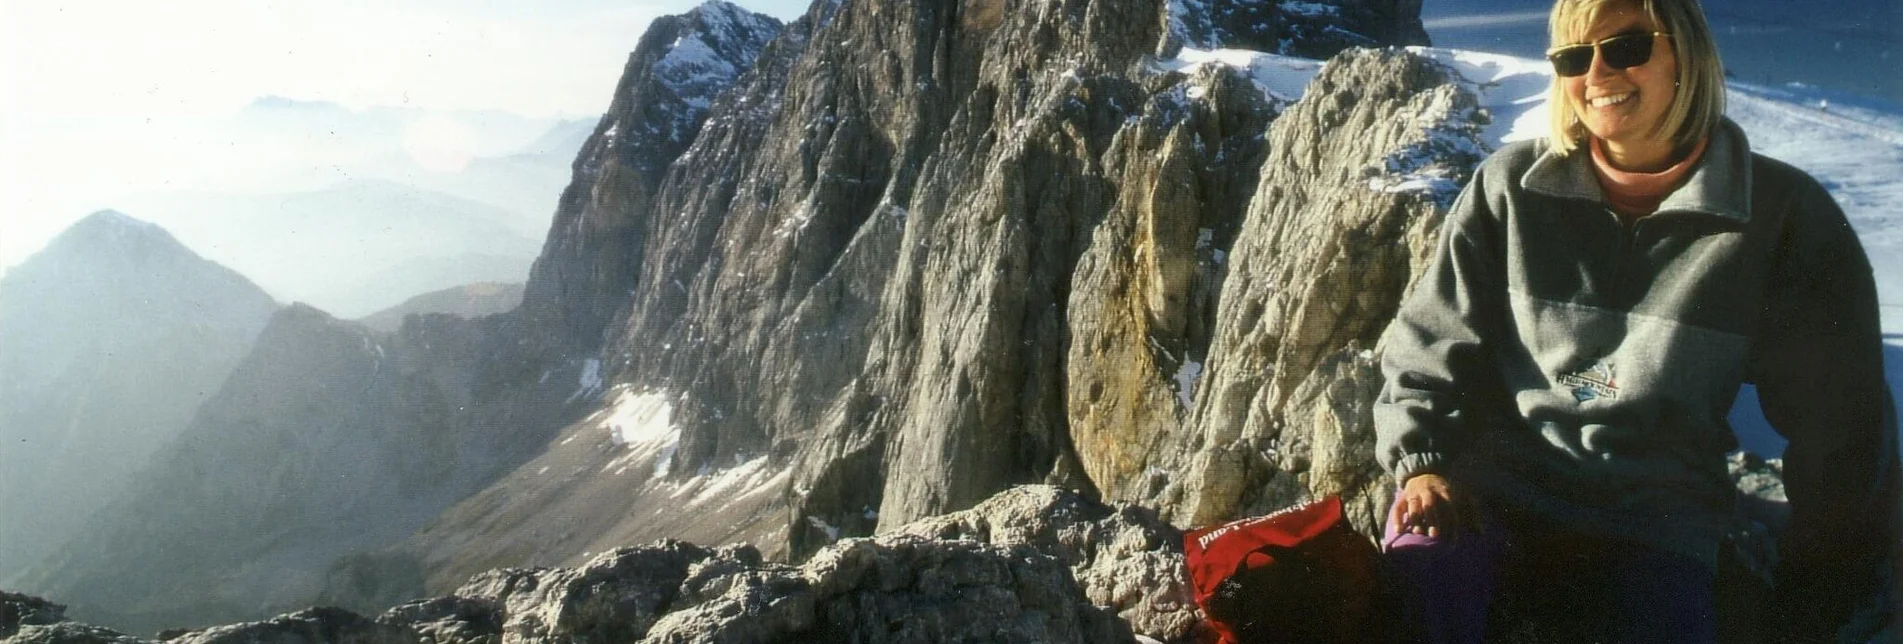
(1298, 575)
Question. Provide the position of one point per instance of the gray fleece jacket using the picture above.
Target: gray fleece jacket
(1574, 372)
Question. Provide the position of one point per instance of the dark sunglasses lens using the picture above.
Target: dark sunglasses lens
(1627, 51)
(1572, 61)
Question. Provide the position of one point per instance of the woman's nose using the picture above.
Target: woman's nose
(1599, 68)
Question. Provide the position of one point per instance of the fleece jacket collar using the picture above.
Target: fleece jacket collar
(1719, 185)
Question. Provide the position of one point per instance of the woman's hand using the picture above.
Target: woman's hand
(1431, 505)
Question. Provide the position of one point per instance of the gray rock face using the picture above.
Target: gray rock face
(450, 619)
(1034, 564)
(900, 589)
(1013, 582)
(594, 247)
(109, 340)
(1142, 298)
(27, 619)
(1307, 29)
(311, 626)
(867, 258)
(615, 598)
(72, 633)
(1359, 174)
(1122, 557)
(1031, 564)
(17, 610)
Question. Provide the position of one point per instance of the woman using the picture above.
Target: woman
(1558, 381)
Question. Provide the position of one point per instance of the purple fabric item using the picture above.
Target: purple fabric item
(1625, 593)
(1450, 583)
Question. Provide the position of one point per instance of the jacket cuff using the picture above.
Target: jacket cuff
(1419, 463)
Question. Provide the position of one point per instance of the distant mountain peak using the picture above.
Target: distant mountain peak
(110, 217)
(117, 230)
(111, 254)
(720, 7)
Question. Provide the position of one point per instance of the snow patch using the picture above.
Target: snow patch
(643, 422)
(1512, 90)
(692, 67)
(1280, 78)
(1447, 143)
(590, 380)
(832, 532)
(1310, 9)
(748, 478)
(1185, 378)
(797, 221)
(705, 60)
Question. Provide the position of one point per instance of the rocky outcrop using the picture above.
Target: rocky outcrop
(25, 619)
(595, 244)
(892, 589)
(1359, 174)
(110, 338)
(1307, 29)
(17, 610)
(1142, 299)
(1031, 565)
(310, 626)
(1123, 557)
(868, 259)
(73, 633)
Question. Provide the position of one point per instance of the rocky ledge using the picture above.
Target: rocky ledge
(1031, 564)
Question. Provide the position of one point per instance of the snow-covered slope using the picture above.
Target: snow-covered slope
(1853, 145)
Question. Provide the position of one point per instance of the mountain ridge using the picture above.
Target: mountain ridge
(109, 339)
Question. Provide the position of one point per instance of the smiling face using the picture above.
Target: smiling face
(1626, 107)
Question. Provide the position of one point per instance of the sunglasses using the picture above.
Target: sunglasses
(1618, 52)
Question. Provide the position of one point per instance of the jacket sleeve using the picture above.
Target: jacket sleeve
(1434, 352)
(1818, 366)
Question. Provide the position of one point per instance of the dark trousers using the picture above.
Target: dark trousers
(1541, 587)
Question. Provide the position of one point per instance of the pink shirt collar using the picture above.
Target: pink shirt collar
(1637, 194)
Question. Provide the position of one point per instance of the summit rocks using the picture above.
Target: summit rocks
(1008, 570)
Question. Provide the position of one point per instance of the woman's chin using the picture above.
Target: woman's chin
(1622, 132)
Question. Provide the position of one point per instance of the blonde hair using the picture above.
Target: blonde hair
(1700, 101)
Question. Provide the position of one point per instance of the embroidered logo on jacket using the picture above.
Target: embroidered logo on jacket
(1596, 381)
